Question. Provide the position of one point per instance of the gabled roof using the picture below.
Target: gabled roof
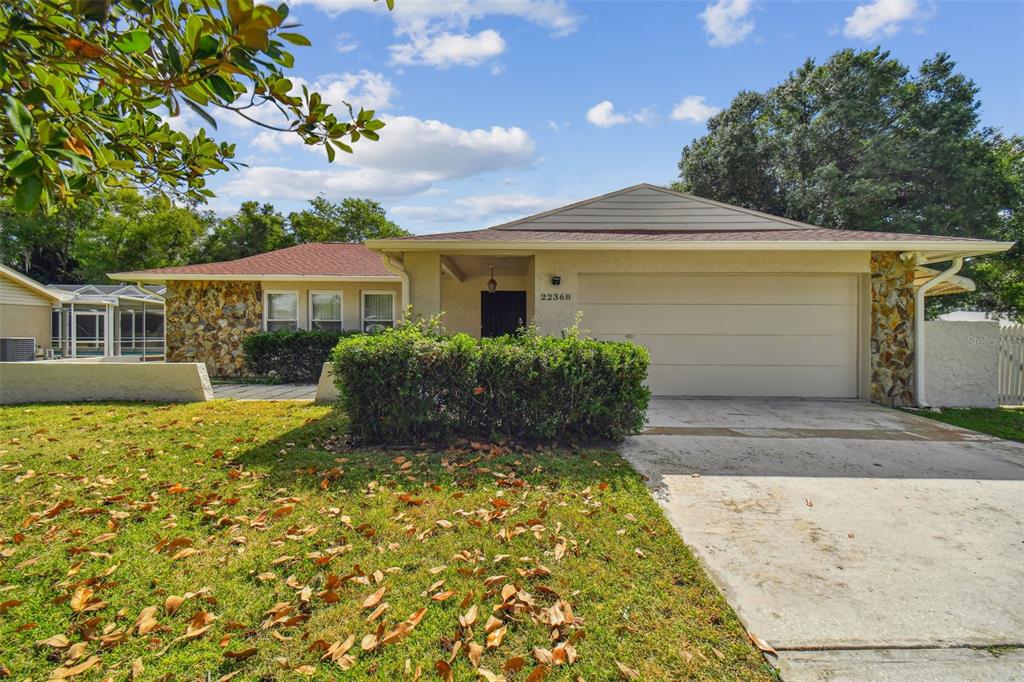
(322, 260)
(652, 208)
(32, 285)
(650, 217)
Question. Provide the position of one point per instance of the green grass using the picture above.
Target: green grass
(271, 487)
(1002, 422)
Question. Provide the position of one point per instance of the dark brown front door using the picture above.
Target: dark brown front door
(502, 312)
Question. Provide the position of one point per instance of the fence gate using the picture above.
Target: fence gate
(1011, 364)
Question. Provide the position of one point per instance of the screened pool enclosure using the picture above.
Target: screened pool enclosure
(108, 320)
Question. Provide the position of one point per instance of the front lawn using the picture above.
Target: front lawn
(1002, 422)
(231, 538)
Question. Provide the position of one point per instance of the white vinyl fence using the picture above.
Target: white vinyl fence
(1011, 364)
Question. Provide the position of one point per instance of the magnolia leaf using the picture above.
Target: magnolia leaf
(134, 41)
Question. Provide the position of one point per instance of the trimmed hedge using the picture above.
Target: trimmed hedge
(291, 355)
(411, 384)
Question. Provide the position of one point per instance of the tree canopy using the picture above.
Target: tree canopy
(85, 86)
(133, 231)
(860, 143)
(351, 220)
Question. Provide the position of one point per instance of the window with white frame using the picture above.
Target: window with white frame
(378, 310)
(325, 310)
(281, 310)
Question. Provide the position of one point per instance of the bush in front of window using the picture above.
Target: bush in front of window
(291, 355)
(413, 384)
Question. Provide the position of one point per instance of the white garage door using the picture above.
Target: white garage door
(733, 335)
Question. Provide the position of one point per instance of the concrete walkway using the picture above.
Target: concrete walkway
(265, 391)
(862, 543)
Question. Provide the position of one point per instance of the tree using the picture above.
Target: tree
(255, 228)
(135, 232)
(128, 231)
(859, 143)
(42, 246)
(1000, 277)
(84, 85)
(350, 220)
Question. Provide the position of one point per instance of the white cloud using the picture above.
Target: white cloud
(726, 21)
(416, 16)
(603, 115)
(437, 31)
(481, 210)
(446, 49)
(694, 108)
(880, 18)
(411, 156)
(366, 89)
(344, 43)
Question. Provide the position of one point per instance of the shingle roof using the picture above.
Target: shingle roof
(323, 259)
(651, 214)
(497, 234)
(651, 208)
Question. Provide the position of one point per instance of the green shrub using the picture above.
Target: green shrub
(412, 384)
(290, 355)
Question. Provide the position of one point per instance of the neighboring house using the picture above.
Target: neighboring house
(25, 310)
(729, 301)
(211, 307)
(81, 320)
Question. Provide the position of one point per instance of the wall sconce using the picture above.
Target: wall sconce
(492, 285)
(555, 280)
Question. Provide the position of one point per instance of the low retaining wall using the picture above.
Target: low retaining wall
(961, 363)
(71, 382)
(326, 391)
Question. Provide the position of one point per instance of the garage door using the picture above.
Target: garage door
(733, 335)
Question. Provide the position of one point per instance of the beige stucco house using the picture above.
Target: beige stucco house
(211, 307)
(730, 302)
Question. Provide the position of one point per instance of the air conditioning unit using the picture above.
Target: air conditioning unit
(17, 349)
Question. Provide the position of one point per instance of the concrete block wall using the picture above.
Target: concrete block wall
(961, 363)
(73, 382)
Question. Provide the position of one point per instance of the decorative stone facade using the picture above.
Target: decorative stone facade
(206, 322)
(892, 330)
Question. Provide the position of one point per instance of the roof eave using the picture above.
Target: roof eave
(944, 248)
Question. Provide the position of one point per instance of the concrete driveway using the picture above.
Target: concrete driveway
(860, 542)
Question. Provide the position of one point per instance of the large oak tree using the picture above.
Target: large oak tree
(859, 142)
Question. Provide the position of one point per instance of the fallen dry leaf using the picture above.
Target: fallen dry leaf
(627, 672)
(373, 599)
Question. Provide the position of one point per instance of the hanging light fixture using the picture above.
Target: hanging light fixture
(492, 286)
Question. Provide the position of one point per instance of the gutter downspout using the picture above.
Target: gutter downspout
(396, 266)
(919, 383)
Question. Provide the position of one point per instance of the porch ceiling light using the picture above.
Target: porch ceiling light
(492, 286)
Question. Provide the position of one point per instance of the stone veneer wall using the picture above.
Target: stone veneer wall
(206, 322)
(892, 330)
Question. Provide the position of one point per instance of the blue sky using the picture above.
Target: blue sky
(503, 108)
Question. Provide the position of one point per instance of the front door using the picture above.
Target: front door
(502, 312)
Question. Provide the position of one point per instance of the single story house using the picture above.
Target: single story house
(72, 321)
(729, 301)
(211, 307)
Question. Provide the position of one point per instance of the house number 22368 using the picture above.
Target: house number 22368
(556, 297)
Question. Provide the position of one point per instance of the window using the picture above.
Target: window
(281, 310)
(325, 310)
(378, 310)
